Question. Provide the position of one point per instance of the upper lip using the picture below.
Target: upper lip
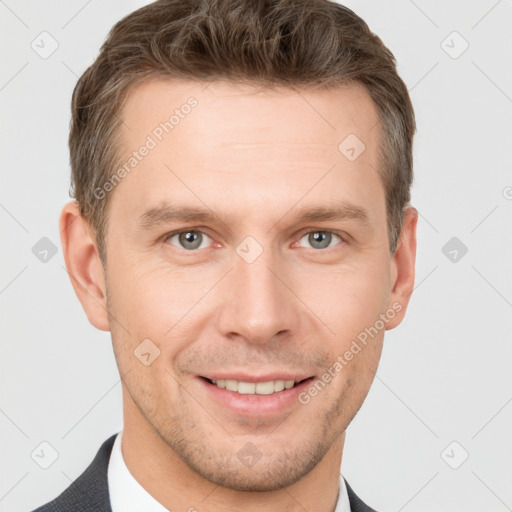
(244, 377)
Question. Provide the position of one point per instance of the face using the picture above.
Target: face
(247, 251)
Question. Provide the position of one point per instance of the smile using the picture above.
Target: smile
(243, 394)
(254, 388)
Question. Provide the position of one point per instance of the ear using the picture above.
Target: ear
(403, 267)
(84, 265)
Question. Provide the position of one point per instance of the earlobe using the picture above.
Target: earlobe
(83, 264)
(403, 268)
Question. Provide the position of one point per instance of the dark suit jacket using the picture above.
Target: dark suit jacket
(89, 492)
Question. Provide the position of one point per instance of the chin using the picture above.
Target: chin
(261, 473)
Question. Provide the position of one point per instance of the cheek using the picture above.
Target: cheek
(143, 295)
(155, 303)
(348, 299)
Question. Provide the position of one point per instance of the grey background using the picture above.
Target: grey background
(445, 372)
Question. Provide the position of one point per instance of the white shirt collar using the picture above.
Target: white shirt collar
(127, 495)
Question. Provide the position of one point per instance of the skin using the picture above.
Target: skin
(254, 157)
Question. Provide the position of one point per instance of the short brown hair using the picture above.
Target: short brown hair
(293, 43)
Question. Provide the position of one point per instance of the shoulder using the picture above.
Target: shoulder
(89, 492)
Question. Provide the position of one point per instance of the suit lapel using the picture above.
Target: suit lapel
(356, 503)
(89, 492)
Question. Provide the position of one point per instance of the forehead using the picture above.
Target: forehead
(250, 114)
(250, 145)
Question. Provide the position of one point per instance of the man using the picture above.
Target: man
(242, 227)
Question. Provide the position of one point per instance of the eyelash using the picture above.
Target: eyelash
(302, 235)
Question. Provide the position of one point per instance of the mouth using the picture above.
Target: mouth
(265, 396)
(268, 387)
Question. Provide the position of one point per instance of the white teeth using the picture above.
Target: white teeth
(279, 385)
(265, 388)
(252, 388)
(246, 388)
(231, 385)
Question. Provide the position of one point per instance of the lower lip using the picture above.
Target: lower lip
(255, 405)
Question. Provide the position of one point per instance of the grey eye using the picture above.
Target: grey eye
(190, 240)
(320, 239)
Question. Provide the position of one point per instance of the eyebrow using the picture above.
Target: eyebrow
(165, 214)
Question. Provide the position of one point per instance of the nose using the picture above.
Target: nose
(260, 304)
